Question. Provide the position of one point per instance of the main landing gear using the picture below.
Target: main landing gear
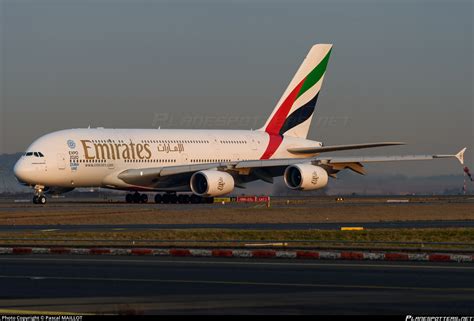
(136, 198)
(39, 197)
(169, 198)
(173, 198)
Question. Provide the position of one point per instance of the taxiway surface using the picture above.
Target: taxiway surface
(145, 285)
(270, 226)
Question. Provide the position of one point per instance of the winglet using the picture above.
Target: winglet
(460, 155)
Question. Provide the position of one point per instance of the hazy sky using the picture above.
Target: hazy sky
(400, 70)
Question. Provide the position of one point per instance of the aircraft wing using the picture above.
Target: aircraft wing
(336, 164)
(325, 149)
(264, 169)
(346, 160)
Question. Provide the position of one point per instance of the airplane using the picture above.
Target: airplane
(203, 163)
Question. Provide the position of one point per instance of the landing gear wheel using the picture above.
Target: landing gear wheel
(187, 199)
(165, 198)
(39, 197)
(183, 199)
(158, 198)
(173, 198)
(136, 198)
(196, 199)
(40, 200)
(129, 198)
(144, 198)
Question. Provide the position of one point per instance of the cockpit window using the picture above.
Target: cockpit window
(36, 154)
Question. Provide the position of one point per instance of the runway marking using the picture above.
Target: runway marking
(271, 284)
(11, 311)
(50, 230)
(232, 261)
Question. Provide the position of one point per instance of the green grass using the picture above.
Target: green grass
(450, 235)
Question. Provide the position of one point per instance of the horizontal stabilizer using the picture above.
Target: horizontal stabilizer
(459, 156)
(325, 149)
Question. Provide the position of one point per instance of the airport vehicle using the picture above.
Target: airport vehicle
(207, 163)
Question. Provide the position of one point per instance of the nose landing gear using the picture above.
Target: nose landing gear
(39, 197)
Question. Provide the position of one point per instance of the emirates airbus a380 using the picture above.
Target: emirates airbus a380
(207, 163)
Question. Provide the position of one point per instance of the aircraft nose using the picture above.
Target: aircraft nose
(20, 171)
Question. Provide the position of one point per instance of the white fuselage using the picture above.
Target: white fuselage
(94, 157)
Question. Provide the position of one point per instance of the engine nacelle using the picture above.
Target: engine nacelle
(211, 183)
(305, 177)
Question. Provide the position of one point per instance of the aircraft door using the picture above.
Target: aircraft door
(215, 142)
(184, 159)
(253, 142)
(61, 160)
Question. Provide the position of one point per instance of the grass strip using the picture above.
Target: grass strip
(222, 237)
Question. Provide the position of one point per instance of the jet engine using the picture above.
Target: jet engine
(211, 183)
(305, 177)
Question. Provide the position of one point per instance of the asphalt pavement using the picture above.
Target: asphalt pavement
(239, 226)
(164, 285)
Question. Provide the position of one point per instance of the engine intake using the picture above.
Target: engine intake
(305, 177)
(211, 183)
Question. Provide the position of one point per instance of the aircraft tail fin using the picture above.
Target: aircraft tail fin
(294, 111)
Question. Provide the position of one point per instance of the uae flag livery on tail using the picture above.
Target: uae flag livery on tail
(294, 111)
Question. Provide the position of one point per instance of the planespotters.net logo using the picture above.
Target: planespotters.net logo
(438, 318)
